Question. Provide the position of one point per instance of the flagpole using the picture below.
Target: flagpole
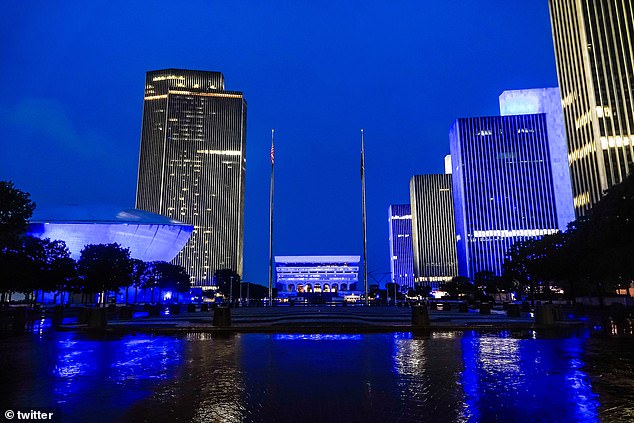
(365, 241)
(271, 217)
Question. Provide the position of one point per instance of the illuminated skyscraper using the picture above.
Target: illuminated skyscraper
(548, 101)
(502, 186)
(192, 165)
(433, 229)
(401, 251)
(594, 50)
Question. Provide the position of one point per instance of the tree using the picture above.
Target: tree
(104, 268)
(422, 290)
(166, 276)
(63, 276)
(172, 277)
(592, 257)
(257, 291)
(393, 291)
(140, 274)
(31, 266)
(487, 282)
(228, 282)
(460, 286)
(13, 264)
(16, 208)
(56, 269)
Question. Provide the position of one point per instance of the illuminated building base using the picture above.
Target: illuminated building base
(310, 277)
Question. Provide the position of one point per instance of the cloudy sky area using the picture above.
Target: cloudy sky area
(71, 100)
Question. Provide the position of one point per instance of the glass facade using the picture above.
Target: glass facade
(433, 229)
(594, 44)
(297, 275)
(502, 187)
(192, 165)
(401, 249)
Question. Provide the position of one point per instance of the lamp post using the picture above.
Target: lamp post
(231, 291)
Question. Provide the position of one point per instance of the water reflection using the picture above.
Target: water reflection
(509, 379)
(428, 370)
(317, 337)
(405, 377)
(89, 367)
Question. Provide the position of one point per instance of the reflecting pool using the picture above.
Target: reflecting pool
(395, 377)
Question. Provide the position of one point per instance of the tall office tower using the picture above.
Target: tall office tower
(547, 100)
(433, 229)
(502, 186)
(401, 252)
(192, 165)
(594, 45)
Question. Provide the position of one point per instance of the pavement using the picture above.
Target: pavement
(351, 319)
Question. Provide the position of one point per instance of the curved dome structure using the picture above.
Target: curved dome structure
(149, 236)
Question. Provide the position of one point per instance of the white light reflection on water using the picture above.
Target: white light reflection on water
(220, 390)
(410, 359)
(428, 370)
(500, 356)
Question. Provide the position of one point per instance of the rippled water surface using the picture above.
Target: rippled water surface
(444, 377)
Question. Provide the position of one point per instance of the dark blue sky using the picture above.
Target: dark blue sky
(71, 93)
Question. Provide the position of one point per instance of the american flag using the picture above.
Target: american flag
(272, 153)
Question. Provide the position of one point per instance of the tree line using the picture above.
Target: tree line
(32, 266)
(593, 257)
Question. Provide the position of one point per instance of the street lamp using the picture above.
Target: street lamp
(231, 291)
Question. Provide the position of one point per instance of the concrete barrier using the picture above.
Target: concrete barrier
(222, 317)
(98, 318)
(19, 321)
(58, 315)
(545, 314)
(84, 316)
(513, 310)
(125, 313)
(420, 316)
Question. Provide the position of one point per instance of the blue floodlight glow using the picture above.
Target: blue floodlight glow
(503, 187)
(401, 248)
(149, 236)
(298, 275)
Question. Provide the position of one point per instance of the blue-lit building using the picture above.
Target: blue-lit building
(148, 236)
(503, 187)
(548, 101)
(306, 276)
(401, 250)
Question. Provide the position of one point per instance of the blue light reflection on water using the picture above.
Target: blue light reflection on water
(509, 379)
(451, 376)
(93, 368)
(317, 337)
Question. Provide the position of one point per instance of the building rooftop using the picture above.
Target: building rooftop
(317, 259)
(100, 214)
